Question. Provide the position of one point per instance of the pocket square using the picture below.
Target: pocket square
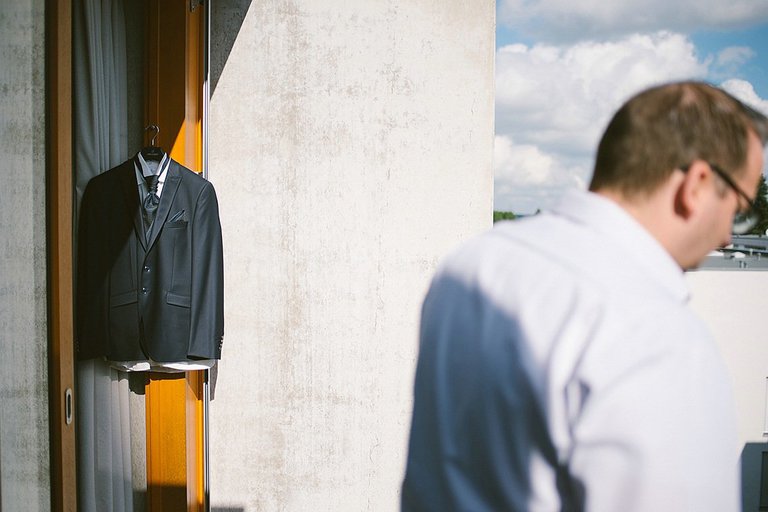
(176, 216)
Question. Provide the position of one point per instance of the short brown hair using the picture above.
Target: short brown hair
(668, 126)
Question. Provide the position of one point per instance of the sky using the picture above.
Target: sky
(563, 67)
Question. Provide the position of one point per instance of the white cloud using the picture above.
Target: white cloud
(524, 175)
(560, 91)
(521, 165)
(744, 91)
(553, 102)
(734, 55)
(554, 98)
(569, 20)
(728, 62)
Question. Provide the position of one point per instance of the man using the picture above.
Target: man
(560, 367)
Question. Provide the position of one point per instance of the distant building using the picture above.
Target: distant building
(746, 252)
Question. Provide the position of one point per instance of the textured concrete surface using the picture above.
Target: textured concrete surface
(350, 147)
(24, 444)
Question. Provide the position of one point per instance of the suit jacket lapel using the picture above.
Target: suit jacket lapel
(170, 187)
(131, 196)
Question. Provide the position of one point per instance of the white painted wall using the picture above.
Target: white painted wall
(735, 306)
(350, 147)
(24, 444)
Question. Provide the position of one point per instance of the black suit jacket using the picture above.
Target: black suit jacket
(160, 299)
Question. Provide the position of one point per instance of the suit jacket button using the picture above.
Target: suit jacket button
(146, 268)
(144, 291)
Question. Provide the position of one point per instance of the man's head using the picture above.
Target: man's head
(663, 157)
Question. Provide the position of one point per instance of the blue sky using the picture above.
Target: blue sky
(564, 67)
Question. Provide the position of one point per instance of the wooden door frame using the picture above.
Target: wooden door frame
(58, 19)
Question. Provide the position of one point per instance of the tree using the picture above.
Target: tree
(498, 215)
(761, 207)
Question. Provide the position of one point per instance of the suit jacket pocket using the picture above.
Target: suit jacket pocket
(178, 300)
(176, 224)
(121, 299)
(178, 216)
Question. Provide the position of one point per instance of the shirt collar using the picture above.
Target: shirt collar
(144, 169)
(626, 233)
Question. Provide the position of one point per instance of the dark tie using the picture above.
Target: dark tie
(150, 203)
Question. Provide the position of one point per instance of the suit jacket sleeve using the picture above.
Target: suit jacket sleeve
(207, 294)
(90, 326)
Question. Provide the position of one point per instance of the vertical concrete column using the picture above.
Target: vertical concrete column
(24, 431)
(350, 147)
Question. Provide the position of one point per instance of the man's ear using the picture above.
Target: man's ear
(693, 189)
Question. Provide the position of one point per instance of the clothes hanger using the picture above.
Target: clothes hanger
(152, 152)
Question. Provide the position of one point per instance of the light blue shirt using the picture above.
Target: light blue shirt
(560, 366)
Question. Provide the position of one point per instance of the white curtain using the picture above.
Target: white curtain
(100, 140)
(100, 88)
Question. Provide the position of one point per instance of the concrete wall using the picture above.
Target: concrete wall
(350, 147)
(24, 444)
(734, 305)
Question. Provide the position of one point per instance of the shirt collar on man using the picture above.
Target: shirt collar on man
(624, 231)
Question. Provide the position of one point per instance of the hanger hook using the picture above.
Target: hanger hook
(156, 129)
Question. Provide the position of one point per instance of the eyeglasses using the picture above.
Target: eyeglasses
(746, 218)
